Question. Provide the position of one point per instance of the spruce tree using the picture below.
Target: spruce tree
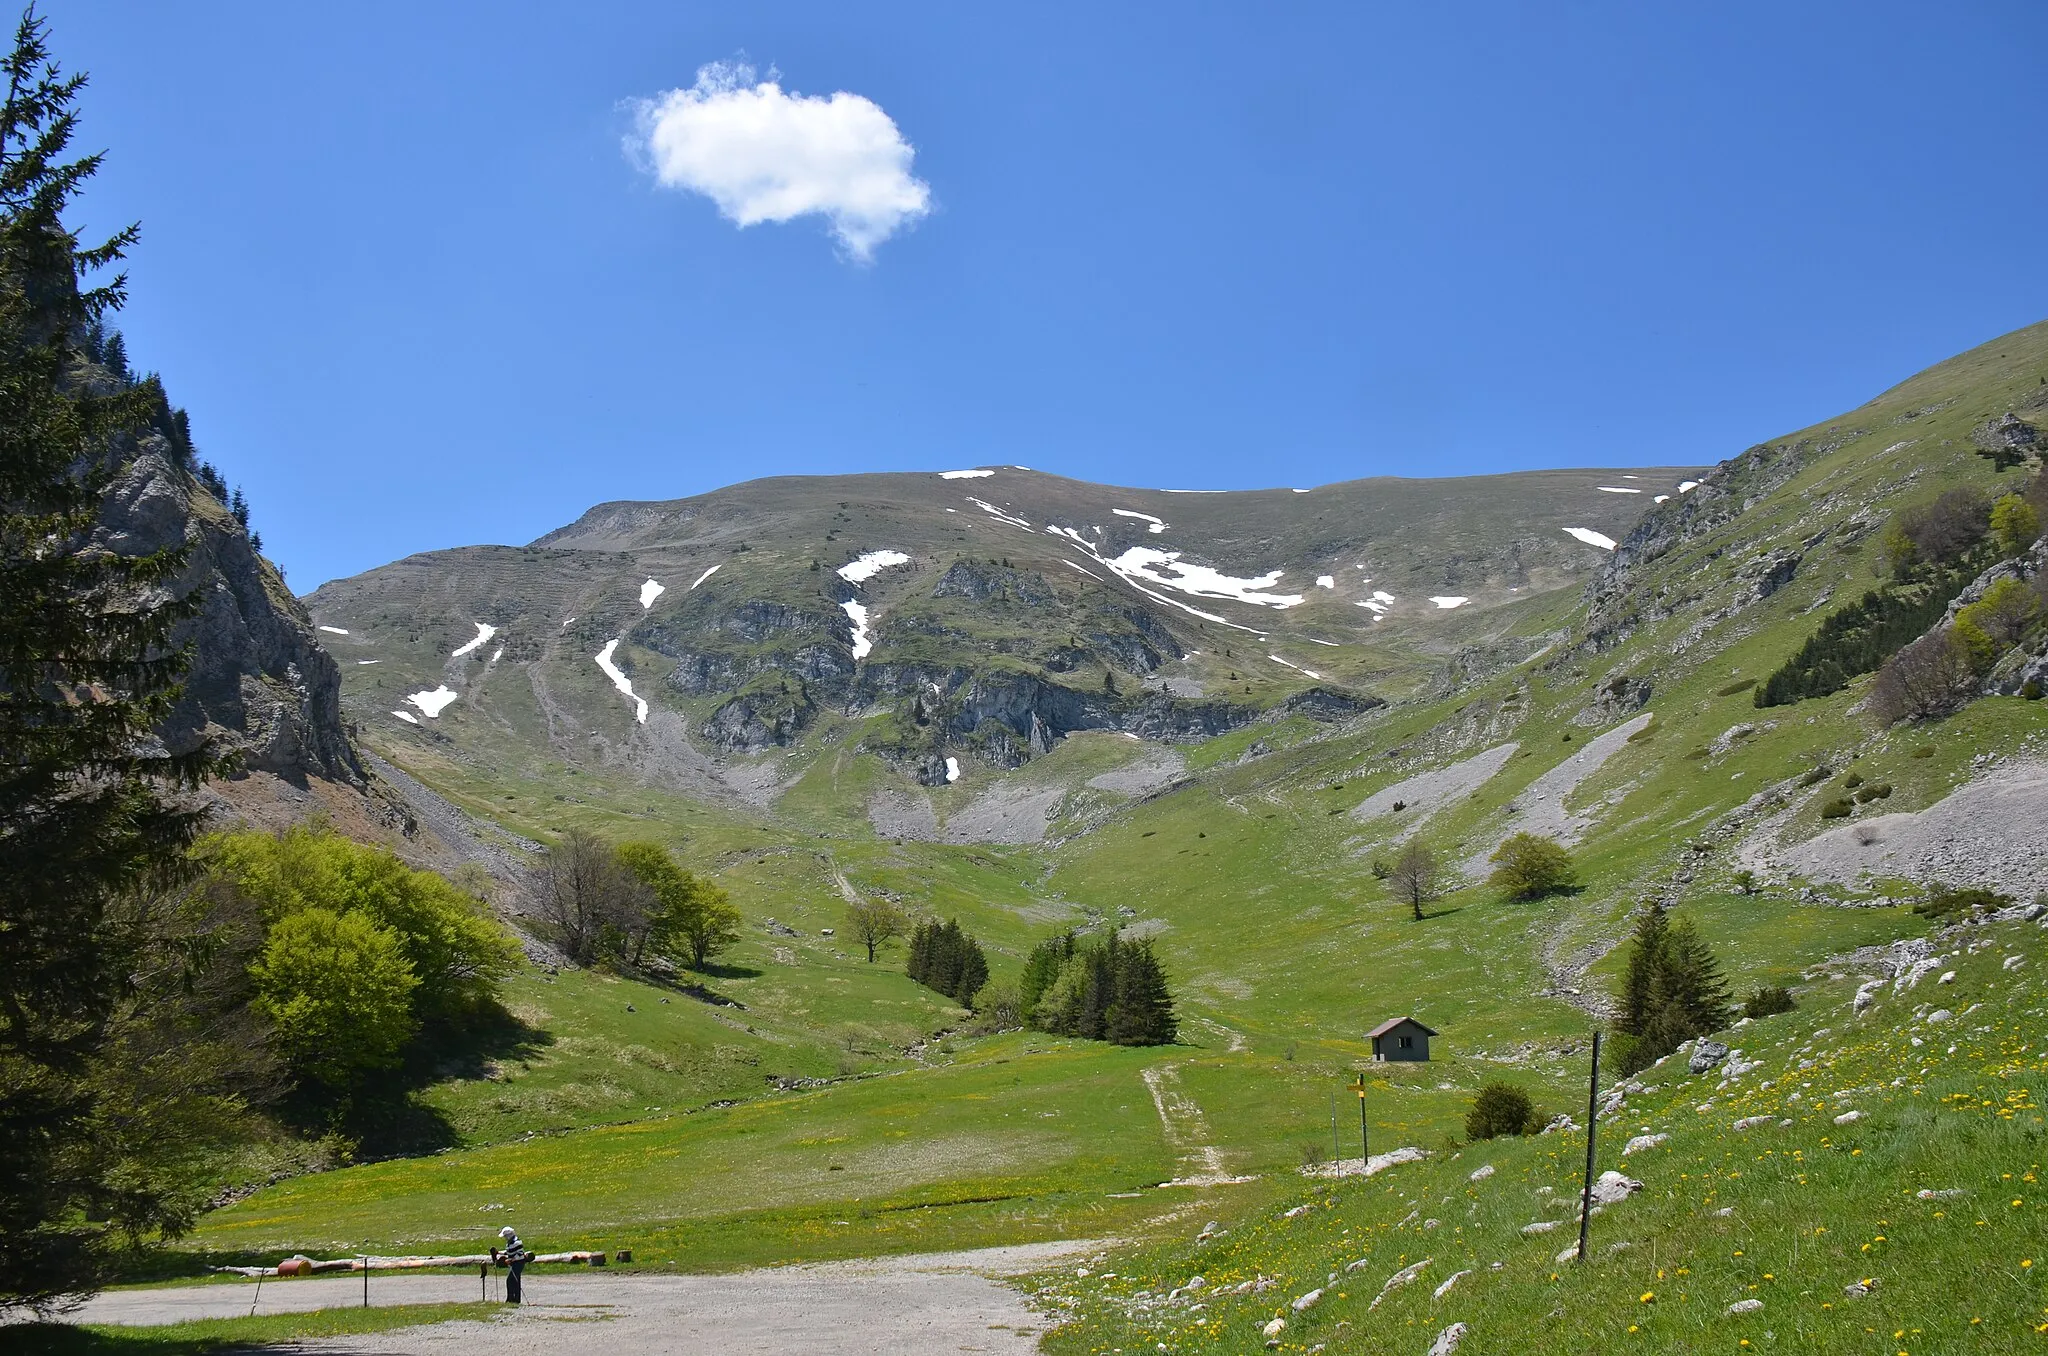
(1646, 954)
(1689, 983)
(1142, 1010)
(87, 669)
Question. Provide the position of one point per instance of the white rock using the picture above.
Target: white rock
(1569, 1254)
(1642, 1142)
(1447, 1340)
(2013, 962)
(1613, 1187)
(1194, 1283)
(1445, 1288)
(1397, 1280)
(1947, 977)
(1303, 1303)
(1751, 1122)
(1938, 1016)
(1275, 1328)
(1541, 1226)
(1848, 1118)
(1748, 1306)
(1481, 1174)
(1724, 1212)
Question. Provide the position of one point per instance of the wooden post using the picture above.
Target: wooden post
(1592, 1129)
(1336, 1149)
(366, 1280)
(1364, 1143)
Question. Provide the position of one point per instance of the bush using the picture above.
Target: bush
(1501, 1109)
(2014, 525)
(340, 993)
(1529, 866)
(1942, 902)
(1852, 781)
(1769, 1001)
(1880, 791)
(1838, 808)
(1924, 751)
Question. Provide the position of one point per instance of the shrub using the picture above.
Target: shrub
(1852, 781)
(1501, 1109)
(1529, 866)
(1769, 1001)
(1924, 751)
(1941, 902)
(1879, 791)
(1815, 776)
(1838, 808)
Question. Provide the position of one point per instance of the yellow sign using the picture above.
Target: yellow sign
(1359, 1086)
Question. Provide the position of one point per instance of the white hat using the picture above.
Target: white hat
(506, 1232)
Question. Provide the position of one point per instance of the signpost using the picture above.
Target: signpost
(1364, 1144)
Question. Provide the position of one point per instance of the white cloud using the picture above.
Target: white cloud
(764, 154)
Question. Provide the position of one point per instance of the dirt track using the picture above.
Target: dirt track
(941, 1302)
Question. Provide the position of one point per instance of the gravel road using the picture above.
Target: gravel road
(939, 1302)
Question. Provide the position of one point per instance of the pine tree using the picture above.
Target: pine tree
(86, 670)
(1646, 954)
(1141, 1012)
(1689, 982)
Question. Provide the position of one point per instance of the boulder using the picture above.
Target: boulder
(1447, 1340)
(1642, 1142)
(1613, 1187)
(1706, 1055)
(1748, 1306)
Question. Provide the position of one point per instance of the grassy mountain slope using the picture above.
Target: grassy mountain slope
(1246, 856)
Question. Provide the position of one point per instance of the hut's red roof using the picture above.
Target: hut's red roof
(1384, 1027)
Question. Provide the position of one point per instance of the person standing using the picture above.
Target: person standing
(513, 1257)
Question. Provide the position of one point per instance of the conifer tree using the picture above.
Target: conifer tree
(87, 669)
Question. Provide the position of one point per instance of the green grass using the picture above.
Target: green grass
(229, 1334)
(1789, 1215)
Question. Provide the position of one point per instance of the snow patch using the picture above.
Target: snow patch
(862, 641)
(1660, 498)
(1194, 491)
(361, 662)
(1616, 489)
(1592, 538)
(1083, 569)
(497, 654)
(1449, 601)
(649, 591)
(1296, 667)
(1331, 643)
(1685, 485)
(484, 631)
(431, 704)
(1158, 524)
(408, 717)
(619, 679)
(1149, 564)
(334, 630)
(964, 475)
(1012, 519)
(1301, 491)
(952, 769)
(870, 565)
(1325, 581)
(704, 576)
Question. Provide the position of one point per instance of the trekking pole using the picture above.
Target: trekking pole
(1592, 1128)
(259, 1295)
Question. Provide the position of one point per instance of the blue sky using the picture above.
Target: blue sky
(399, 264)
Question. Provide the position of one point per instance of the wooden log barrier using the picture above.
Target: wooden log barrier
(307, 1266)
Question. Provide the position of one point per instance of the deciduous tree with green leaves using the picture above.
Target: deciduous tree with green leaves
(1530, 866)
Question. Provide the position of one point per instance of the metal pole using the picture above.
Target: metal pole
(1592, 1129)
(366, 1280)
(258, 1296)
(1364, 1144)
(1336, 1148)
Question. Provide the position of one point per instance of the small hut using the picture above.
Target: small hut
(1400, 1038)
